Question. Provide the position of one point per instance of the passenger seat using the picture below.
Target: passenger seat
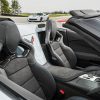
(60, 53)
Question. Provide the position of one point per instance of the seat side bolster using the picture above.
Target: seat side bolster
(18, 89)
(55, 55)
(69, 54)
(45, 80)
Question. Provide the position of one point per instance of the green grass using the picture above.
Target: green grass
(24, 14)
(57, 15)
(50, 15)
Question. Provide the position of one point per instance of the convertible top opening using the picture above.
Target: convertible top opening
(84, 13)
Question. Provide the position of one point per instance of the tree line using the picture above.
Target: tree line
(12, 9)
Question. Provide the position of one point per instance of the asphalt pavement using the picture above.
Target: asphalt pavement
(25, 21)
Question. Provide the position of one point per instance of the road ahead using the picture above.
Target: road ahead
(24, 20)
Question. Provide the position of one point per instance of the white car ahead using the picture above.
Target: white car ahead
(38, 17)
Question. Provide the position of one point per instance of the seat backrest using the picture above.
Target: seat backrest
(60, 53)
(23, 69)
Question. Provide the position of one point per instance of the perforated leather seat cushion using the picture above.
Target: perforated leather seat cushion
(58, 51)
(19, 72)
(64, 74)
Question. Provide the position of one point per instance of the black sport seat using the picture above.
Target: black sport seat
(60, 53)
(23, 70)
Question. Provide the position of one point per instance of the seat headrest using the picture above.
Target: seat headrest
(51, 30)
(9, 37)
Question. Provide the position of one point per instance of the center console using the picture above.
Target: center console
(88, 83)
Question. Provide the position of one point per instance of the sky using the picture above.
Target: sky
(32, 6)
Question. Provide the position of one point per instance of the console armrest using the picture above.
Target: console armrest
(18, 89)
(64, 74)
